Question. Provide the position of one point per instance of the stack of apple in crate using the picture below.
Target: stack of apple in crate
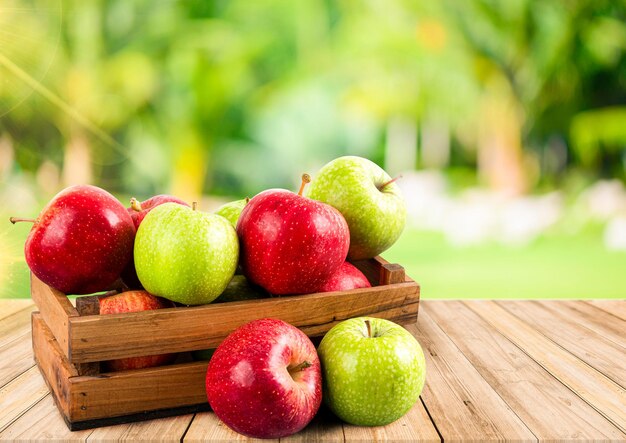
(266, 378)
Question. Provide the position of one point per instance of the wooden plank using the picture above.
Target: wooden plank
(53, 364)
(595, 388)
(519, 380)
(324, 427)
(16, 357)
(414, 426)
(55, 309)
(565, 330)
(20, 395)
(42, 422)
(613, 307)
(460, 402)
(11, 306)
(128, 392)
(15, 325)
(607, 325)
(207, 427)
(97, 338)
(163, 430)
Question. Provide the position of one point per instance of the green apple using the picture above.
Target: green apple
(372, 374)
(240, 289)
(185, 255)
(231, 211)
(369, 200)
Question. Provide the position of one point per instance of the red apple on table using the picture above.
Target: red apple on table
(81, 240)
(138, 210)
(290, 244)
(345, 278)
(264, 380)
(134, 301)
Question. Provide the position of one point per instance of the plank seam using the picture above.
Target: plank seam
(14, 419)
(17, 375)
(503, 306)
(481, 376)
(590, 327)
(19, 311)
(182, 438)
(431, 420)
(600, 308)
(553, 375)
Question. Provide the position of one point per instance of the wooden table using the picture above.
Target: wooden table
(516, 370)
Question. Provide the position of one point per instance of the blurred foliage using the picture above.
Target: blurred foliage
(231, 97)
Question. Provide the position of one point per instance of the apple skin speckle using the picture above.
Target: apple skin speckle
(371, 381)
(81, 241)
(250, 388)
(184, 255)
(291, 244)
(375, 216)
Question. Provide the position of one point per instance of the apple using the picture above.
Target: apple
(81, 240)
(138, 210)
(231, 211)
(368, 198)
(291, 244)
(264, 380)
(134, 301)
(345, 278)
(185, 255)
(373, 371)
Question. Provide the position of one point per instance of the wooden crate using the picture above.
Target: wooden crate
(69, 342)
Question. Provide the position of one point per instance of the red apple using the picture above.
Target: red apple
(138, 210)
(347, 277)
(291, 244)
(134, 301)
(81, 240)
(264, 380)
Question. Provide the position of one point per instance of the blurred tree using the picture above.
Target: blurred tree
(231, 97)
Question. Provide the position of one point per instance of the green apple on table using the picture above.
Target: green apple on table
(232, 210)
(372, 374)
(185, 255)
(367, 197)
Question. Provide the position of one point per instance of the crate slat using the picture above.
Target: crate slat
(55, 308)
(106, 337)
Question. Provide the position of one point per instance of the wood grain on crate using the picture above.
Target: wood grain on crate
(491, 374)
(92, 338)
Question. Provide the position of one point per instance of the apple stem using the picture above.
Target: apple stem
(247, 200)
(194, 205)
(384, 185)
(369, 328)
(18, 219)
(297, 368)
(306, 178)
(135, 205)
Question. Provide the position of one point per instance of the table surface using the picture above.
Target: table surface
(515, 370)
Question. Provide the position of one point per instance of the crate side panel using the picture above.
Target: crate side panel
(121, 393)
(55, 309)
(97, 338)
(54, 366)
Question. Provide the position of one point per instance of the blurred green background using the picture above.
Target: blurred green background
(506, 119)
